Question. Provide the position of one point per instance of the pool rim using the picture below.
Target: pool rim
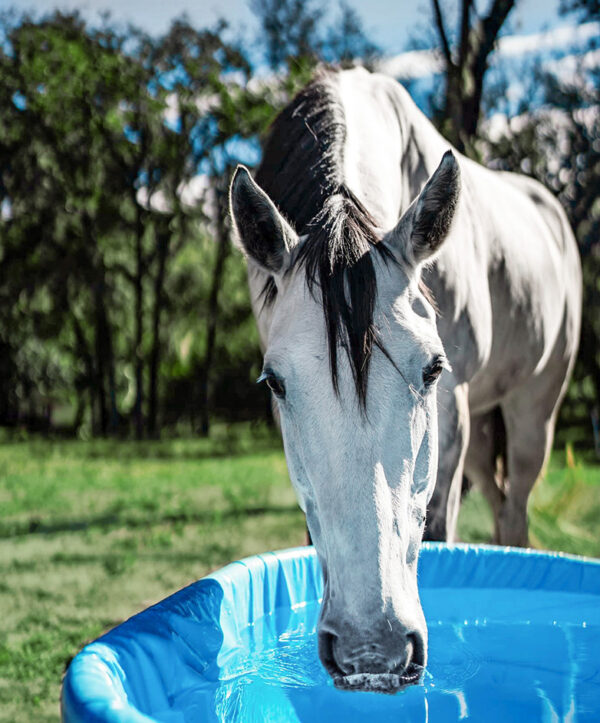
(93, 691)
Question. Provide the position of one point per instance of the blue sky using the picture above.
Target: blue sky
(389, 22)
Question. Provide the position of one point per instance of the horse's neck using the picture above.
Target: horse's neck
(390, 149)
(423, 147)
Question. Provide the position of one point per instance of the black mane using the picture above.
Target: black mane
(301, 170)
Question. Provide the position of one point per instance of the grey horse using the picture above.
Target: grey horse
(419, 316)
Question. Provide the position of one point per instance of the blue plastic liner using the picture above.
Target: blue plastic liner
(514, 635)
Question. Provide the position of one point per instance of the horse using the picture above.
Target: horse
(419, 316)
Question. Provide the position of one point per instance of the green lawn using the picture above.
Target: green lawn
(92, 532)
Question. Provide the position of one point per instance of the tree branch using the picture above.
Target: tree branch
(490, 27)
(442, 32)
(464, 32)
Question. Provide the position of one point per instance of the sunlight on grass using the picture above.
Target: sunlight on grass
(565, 507)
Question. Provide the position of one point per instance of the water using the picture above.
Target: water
(494, 655)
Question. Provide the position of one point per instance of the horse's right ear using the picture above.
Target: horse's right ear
(263, 233)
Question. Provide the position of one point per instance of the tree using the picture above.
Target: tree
(299, 34)
(51, 241)
(86, 127)
(466, 64)
(119, 296)
(586, 9)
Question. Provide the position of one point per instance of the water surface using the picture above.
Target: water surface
(494, 655)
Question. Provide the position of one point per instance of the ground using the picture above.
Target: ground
(93, 532)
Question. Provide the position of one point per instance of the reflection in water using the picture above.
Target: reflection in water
(529, 662)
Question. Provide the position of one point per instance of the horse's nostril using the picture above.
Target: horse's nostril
(415, 651)
(327, 644)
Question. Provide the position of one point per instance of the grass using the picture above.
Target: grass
(92, 532)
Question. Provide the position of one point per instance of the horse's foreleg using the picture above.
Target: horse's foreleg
(485, 463)
(529, 439)
(529, 416)
(453, 438)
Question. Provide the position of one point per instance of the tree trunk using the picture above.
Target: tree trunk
(466, 68)
(452, 123)
(105, 363)
(462, 106)
(222, 240)
(84, 353)
(139, 322)
(100, 365)
(162, 252)
(79, 413)
(9, 409)
(103, 347)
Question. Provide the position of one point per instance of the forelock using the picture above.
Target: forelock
(301, 171)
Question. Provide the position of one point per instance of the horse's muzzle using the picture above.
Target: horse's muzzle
(370, 668)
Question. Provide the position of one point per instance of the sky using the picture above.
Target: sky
(389, 23)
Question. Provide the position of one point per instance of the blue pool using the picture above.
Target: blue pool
(514, 635)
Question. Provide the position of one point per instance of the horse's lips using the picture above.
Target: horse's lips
(374, 682)
(370, 682)
(389, 683)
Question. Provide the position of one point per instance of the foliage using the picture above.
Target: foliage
(86, 254)
(586, 9)
(122, 307)
(294, 34)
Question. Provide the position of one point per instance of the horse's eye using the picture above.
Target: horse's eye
(274, 383)
(433, 371)
(276, 386)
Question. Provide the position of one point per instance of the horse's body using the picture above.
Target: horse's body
(506, 288)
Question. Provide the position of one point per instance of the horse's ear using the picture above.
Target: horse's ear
(423, 228)
(261, 230)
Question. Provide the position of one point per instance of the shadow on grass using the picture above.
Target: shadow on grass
(36, 526)
(239, 440)
(134, 452)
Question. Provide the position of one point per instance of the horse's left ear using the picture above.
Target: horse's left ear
(422, 229)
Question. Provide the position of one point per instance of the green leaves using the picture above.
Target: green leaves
(113, 148)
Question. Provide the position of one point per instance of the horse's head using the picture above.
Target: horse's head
(352, 357)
